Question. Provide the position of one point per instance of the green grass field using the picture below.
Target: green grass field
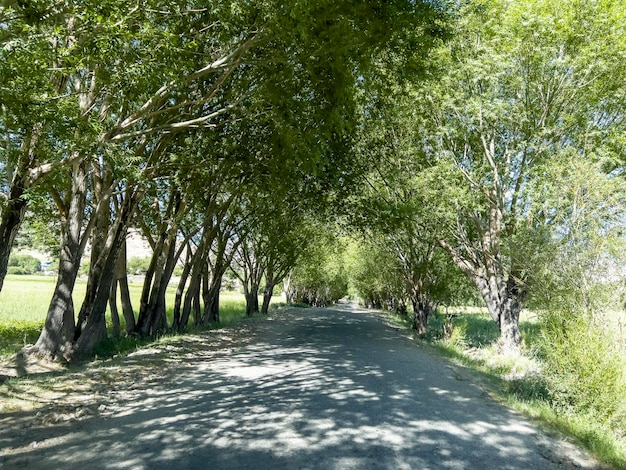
(24, 302)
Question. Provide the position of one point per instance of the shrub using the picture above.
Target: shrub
(137, 266)
(17, 270)
(584, 369)
(458, 336)
(23, 264)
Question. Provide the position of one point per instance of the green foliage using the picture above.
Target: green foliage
(477, 330)
(320, 277)
(458, 337)
(23, 264)
(136, 265)
(585, 369)
(490, 122)
(17, 334)
(581, 266)
(375, 276)
(562, 383)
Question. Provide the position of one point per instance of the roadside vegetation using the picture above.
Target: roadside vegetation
(418, 155)
(579, 391)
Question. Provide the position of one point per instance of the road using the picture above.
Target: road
(314, 389)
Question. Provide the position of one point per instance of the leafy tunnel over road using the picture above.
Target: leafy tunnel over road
(308, 389)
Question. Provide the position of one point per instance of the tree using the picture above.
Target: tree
(105, 93)
(319, 278)
(520, 87)
(375, 276)
(141, 116)
(395, 211)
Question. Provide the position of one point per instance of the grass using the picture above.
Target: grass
(518, 381)
(24, 302)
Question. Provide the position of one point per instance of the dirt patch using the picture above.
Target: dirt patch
(24, 363)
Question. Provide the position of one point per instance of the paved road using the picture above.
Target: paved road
(319, 389)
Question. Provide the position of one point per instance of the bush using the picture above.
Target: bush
(320, 279)
(584, 368)
(137, 266)
(23, 264)
(17, 270)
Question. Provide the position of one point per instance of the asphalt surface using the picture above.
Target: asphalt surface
(317, 389)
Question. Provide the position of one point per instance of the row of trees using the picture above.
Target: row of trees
(217, 128)
(505, 163)
(490, 135)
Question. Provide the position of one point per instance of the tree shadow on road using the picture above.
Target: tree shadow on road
(314, 390)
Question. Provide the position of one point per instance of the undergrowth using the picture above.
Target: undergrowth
(574, 382)
(17, 334)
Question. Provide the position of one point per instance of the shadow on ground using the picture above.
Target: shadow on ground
(315, 389)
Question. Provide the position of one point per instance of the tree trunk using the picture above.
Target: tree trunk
(400, 307)
(289, 294)
(14, 209)
(177, 323)
(155, 314)
(99, 252)
(268, 292)
(192, 296)
(92, 329)
(152, 311)
(115, 316)
(154, 269)
(421, 304)
(504, 303)
(122, 279)
(56, 338)
(421, 312)
(194, 286)
(206, 296)
(252, 299)
(212, 306)
(502, 291)
(192, 292)
(10, 222)
(503, 300)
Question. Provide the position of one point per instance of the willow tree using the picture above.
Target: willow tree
(522, 82)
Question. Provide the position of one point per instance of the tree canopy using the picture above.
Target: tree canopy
(228, 133)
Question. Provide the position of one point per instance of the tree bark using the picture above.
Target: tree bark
(10, 223)
(289, 293)
(115, 315)
(122, 279)
(502, 292)
(56, 338)
(177, 323)
(199, 259)
(92, 329)
(504, 303)
(252, 299)
(421, 311)
(14, 209)
(152, 310)
(156, 313)
(212, 305)
(269, 291)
